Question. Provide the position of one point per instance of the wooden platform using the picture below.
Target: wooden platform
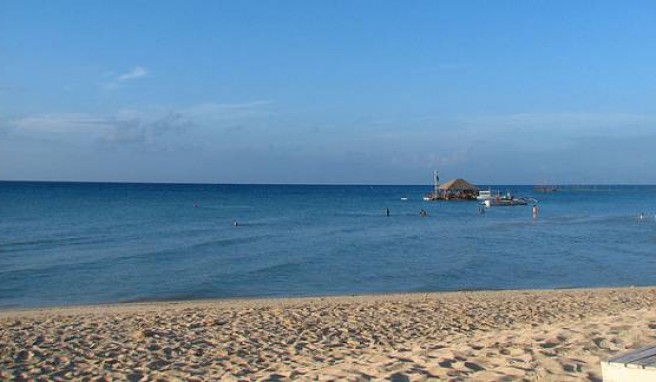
(635, 366)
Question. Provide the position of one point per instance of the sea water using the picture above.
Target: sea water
(88, 243)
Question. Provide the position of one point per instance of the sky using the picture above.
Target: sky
(328, 92)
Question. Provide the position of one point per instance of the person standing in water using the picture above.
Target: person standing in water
(387, 213)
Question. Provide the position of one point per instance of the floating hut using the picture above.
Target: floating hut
(455, 189)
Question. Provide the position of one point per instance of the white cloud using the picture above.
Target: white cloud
(119, 81)
(157, 119)
(136, 72)
(150, 127)
(524, 148)
(144, 129)
(579, 124)
(60, 123)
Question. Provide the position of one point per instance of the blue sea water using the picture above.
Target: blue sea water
(88, 243)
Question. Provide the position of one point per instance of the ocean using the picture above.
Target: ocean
(96, 243)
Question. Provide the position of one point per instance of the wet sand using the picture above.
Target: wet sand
(463, 336)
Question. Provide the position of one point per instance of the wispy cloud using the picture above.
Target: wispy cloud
(120, 80)
(161, 119)
(60, 123)
(148, 127)
(574, 123)
(136, 72)
(144, 129)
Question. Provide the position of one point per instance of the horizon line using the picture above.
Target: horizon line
(554, 185)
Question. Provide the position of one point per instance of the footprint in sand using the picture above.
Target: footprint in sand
(399, 377)
(474, 366)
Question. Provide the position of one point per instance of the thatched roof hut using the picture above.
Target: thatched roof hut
(458, 185)
(455, 189)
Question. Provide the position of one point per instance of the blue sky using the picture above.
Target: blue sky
(364, 92)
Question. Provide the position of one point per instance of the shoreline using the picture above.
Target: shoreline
(276, 300)
(560, 334)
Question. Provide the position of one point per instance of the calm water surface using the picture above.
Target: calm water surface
(81, 243)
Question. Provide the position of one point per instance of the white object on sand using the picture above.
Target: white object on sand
(635, 366)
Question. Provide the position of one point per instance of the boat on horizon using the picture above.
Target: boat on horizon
(546, 188)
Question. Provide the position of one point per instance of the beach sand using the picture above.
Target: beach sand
(557, 335)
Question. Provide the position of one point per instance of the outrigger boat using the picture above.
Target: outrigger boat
(484, 195)
(505, 200)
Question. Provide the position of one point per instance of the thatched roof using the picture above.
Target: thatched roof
(458, 185)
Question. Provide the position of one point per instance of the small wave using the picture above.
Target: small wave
(26, 245)
(39, 270)
(276, 270)
(187, 296)
(219, 243)
(185, 249)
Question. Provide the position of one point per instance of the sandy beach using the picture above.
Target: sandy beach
(462, 336)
